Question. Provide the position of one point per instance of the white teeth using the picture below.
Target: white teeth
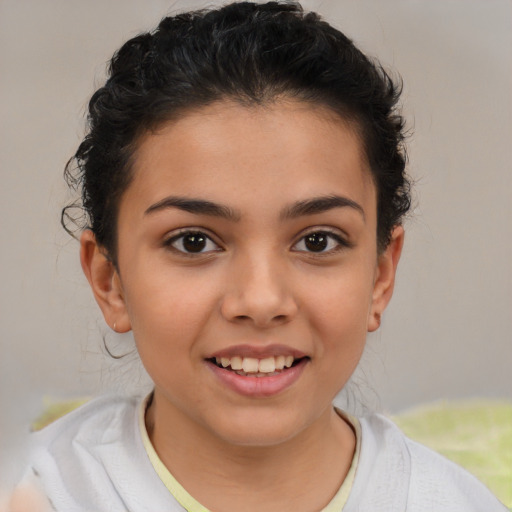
(250, 365)
(236, 363)
(267, 365)
(254, 366)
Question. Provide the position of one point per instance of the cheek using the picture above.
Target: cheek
(169, 312)
(339, 307)
(341, 328)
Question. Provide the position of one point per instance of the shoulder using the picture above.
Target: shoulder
(441, 483)
(95, 422)
(93, 458)
(84, 435)
(405, 475)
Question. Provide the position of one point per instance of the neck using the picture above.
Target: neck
(301, 474)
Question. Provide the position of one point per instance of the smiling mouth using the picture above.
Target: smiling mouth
(254, 367)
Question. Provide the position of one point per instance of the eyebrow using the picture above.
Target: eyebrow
(197, 206)
(319, 205)
(311, 206)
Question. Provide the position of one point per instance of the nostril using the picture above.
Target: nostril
(275, 319)
(263, 310)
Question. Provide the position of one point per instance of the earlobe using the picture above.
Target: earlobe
(105, 282)
(385, 278)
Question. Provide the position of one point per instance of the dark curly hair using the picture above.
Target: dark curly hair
(250, 53)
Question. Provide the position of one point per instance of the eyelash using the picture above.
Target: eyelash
(170, 243)
(340, 243)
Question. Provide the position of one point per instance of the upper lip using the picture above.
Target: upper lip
(257, 351)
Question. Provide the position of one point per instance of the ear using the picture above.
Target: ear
(385, 278)
(105, 282)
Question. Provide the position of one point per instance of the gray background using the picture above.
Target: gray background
(446, 334)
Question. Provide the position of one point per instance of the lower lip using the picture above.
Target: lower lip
(259, 387)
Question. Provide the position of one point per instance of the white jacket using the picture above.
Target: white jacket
(93, 460)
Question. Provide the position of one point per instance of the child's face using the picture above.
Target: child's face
(249, 233)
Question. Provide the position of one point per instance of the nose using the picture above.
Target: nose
(259, 292)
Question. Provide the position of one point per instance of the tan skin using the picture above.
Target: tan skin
(255, 282)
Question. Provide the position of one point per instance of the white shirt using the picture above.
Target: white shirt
(94, 460)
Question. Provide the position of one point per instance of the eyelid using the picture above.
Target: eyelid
(340, 237)
(172, 237)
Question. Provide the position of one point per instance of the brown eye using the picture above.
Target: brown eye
(316, 242)
(320, 242)
(193, 242)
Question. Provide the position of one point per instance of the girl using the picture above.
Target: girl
(243, 181)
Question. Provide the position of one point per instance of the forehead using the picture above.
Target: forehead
(245, 156)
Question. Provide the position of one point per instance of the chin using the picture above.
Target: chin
(259, 430)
